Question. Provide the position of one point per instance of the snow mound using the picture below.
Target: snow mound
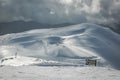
(67, 44)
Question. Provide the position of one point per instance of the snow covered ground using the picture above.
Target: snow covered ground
(26, 68)
(58, 73)
(60, 54)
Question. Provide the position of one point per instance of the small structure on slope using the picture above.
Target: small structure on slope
(91, 62)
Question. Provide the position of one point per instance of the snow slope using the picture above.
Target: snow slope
(69, 44)
(58, 73)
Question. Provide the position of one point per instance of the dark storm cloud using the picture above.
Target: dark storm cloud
(110, 9)
(60, 11)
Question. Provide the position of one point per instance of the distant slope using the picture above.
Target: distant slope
(60, 44)
(20, 26)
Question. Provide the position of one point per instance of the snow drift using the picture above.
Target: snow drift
(68, 44)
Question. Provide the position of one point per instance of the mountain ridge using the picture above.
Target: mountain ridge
(21, 26)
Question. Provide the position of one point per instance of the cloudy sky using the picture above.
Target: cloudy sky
(60, 11)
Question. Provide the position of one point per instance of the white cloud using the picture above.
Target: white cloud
(54, 11)
(66, 1)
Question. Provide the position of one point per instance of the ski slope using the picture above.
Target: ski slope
(67, 45)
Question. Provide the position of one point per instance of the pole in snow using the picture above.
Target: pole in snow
(16, 55)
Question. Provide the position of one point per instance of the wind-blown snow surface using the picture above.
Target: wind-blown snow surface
(63, 46)
(58, 73)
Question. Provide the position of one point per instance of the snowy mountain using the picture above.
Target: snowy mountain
(67, 45)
